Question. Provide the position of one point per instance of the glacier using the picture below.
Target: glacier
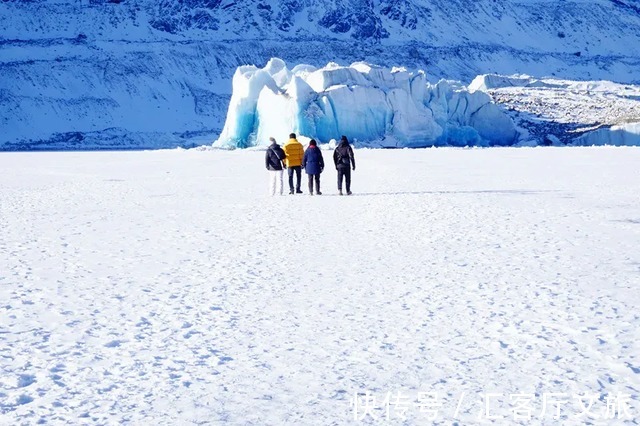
(373, 105)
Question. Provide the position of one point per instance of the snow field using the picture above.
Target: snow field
(167, 288)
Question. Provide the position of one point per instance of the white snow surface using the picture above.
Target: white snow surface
(167, 288)
(373, 105)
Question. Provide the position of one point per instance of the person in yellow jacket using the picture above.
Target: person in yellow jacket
(294, 152)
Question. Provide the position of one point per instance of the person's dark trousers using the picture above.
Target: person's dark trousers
(311, 179)
(346, 173)
(298, 170)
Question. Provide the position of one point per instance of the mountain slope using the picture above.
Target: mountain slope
(119, 73)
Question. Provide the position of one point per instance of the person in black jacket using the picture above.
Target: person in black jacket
(313, 164)
(345, 162)
(274, 161)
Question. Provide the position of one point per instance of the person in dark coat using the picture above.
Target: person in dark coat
(313, 165)
(274, 161)
(345, 162)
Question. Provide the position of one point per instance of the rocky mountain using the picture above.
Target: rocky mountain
(140, 74)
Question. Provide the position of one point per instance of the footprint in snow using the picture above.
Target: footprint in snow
(224, 360)
(58, 368)
(26, 380)
(24, 399)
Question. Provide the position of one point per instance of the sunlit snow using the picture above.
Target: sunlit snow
(168, 288)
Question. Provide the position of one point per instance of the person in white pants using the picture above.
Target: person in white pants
(274, 162)
(276, 178)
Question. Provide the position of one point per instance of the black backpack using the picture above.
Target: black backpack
(343, 155)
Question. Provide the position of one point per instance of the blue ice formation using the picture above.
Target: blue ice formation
(372, 105)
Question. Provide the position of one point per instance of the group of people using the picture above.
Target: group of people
(293, 157)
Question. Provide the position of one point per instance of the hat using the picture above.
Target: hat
(343, 138)
(292, 135)
(312, 142)
(272, 139)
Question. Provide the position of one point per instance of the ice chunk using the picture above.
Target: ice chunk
(370, 104)
(620, 135)
(492, 81)
(278, 70)
(324, 78)
(413, 123)
(279, 114)
(241, 125)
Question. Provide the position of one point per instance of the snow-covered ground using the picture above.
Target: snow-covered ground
(166, 288)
